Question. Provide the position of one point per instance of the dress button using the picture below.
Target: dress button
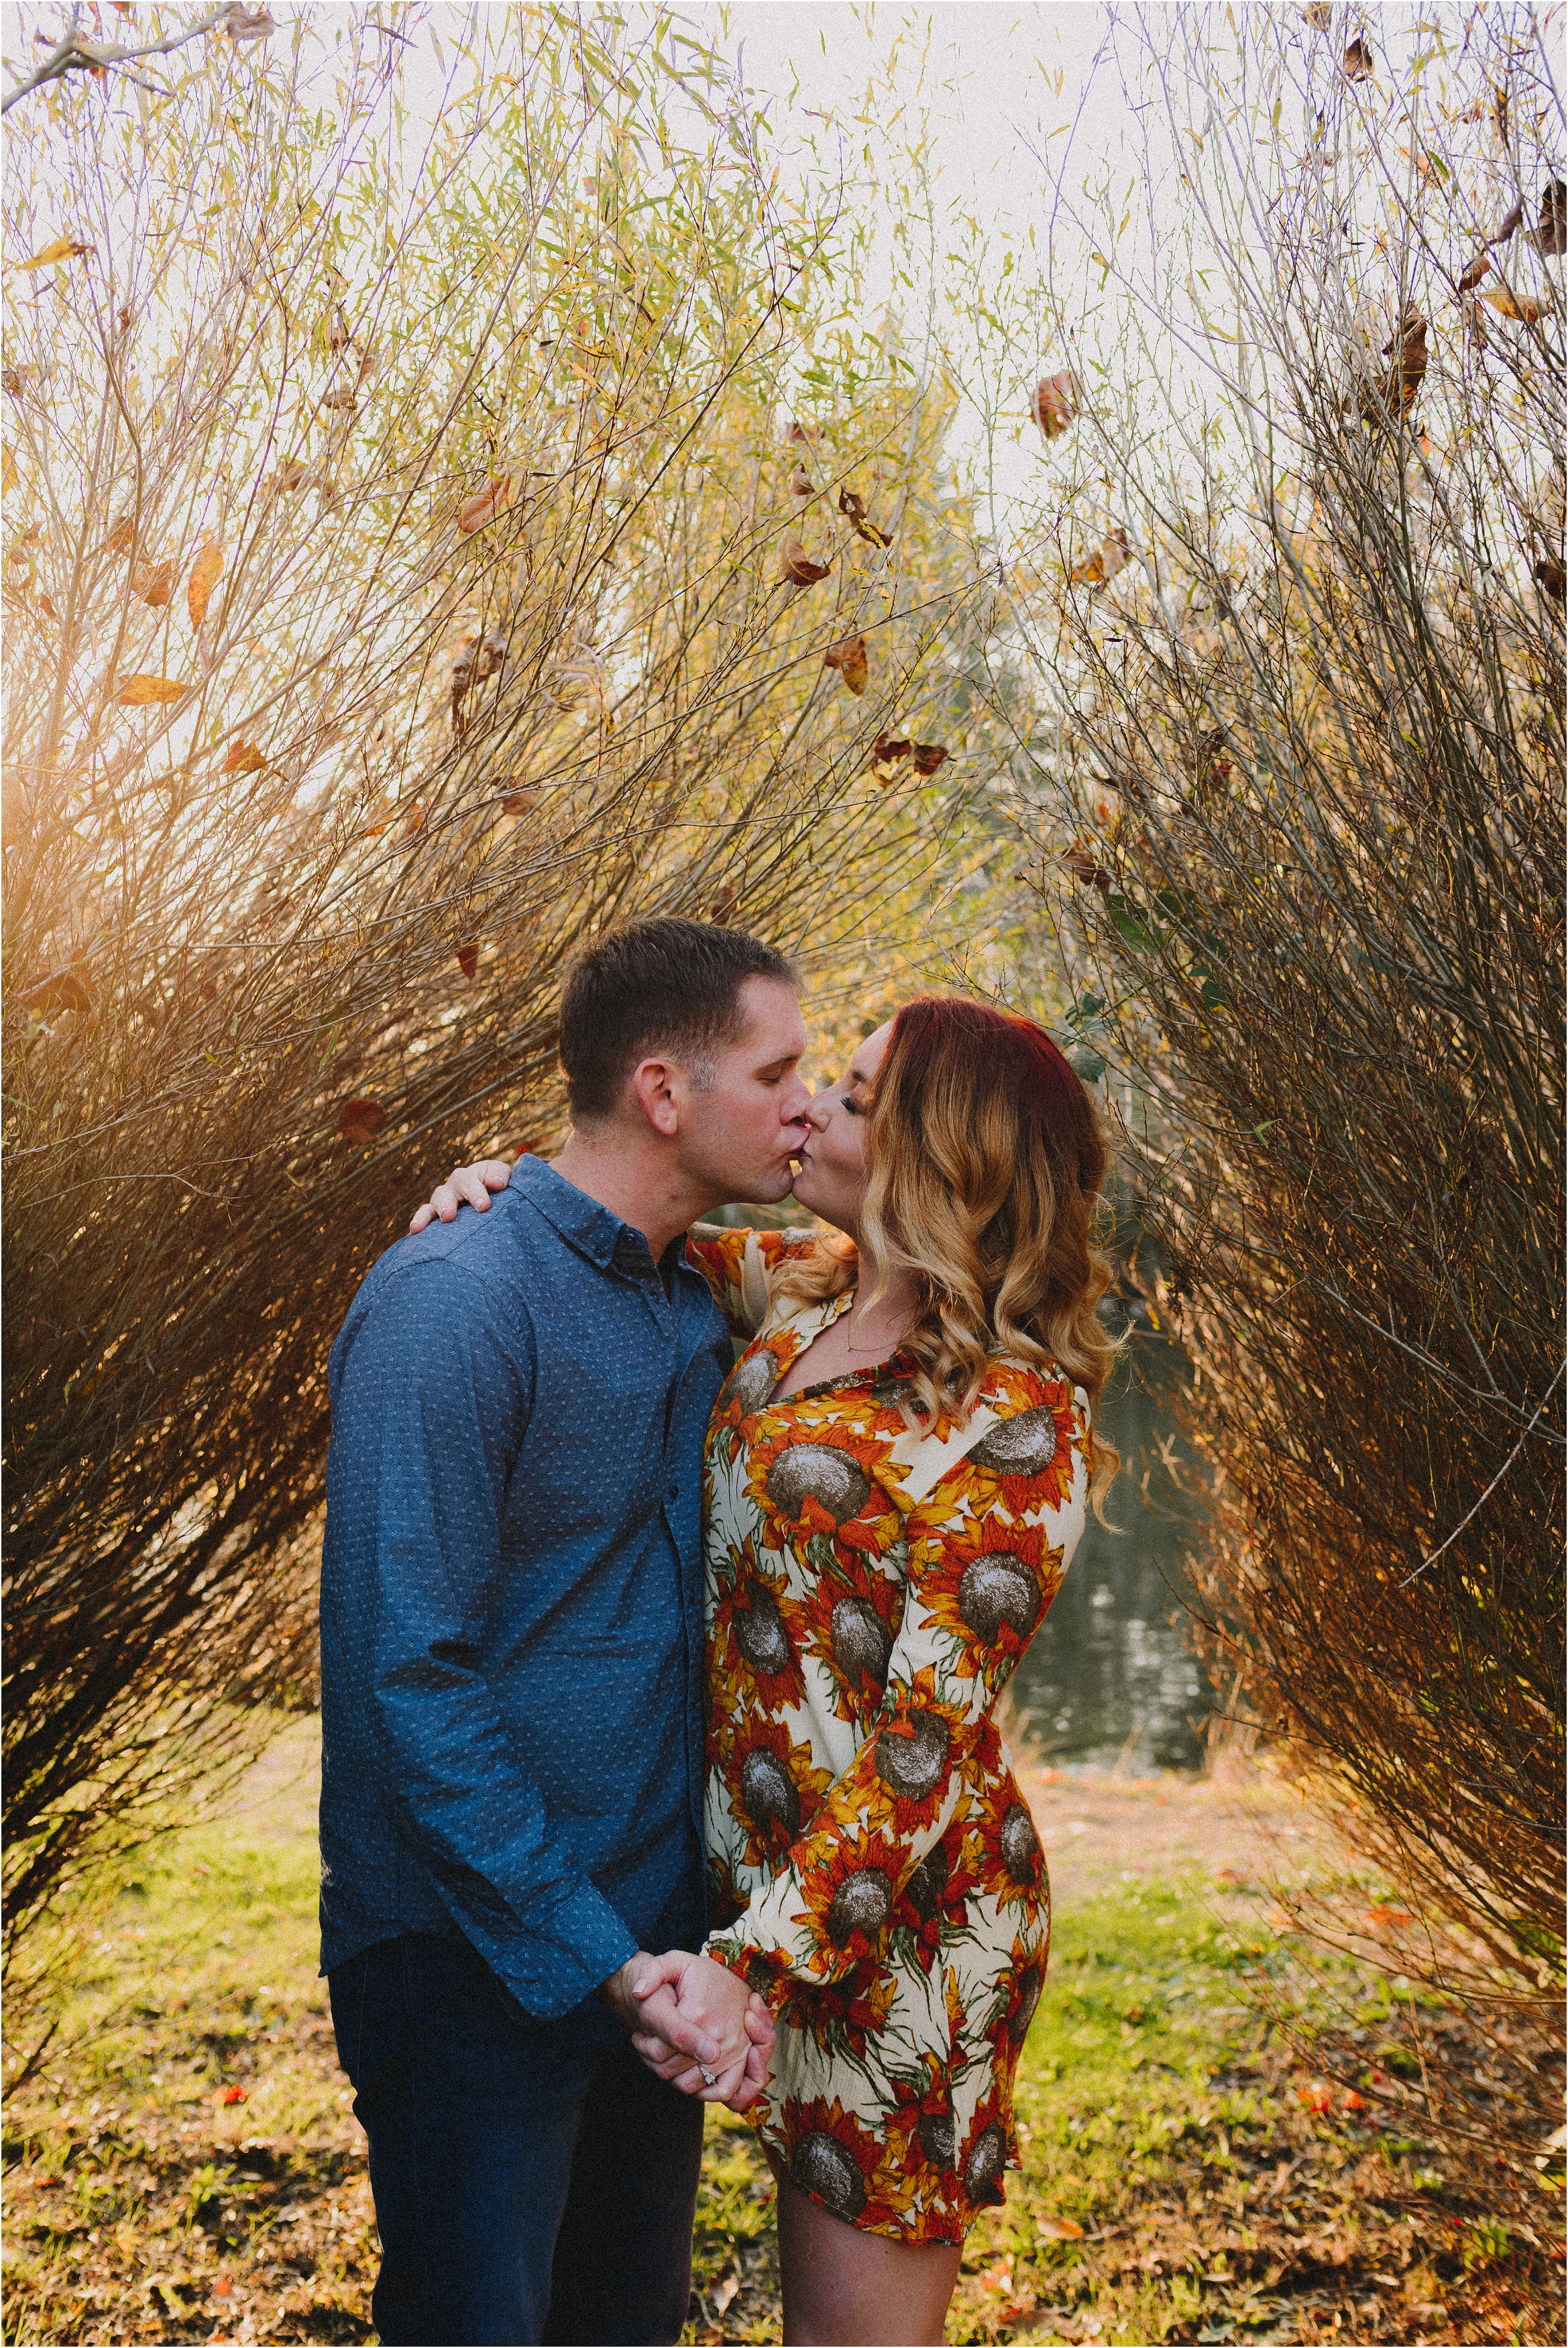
(671, 1491)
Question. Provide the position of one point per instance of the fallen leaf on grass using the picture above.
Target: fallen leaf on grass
(848, 657)
(360, 1120)
(64, 248)
(205, 573)
(726, 2292)
(797, 565)
(237, 2094)
(136, 692)
(491, 500)
(1059, 2229)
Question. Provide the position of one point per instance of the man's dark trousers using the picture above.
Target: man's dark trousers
(530, 2186)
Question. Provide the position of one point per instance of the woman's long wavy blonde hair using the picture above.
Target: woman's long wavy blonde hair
(986, 1160)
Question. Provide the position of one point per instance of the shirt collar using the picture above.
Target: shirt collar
(592, 1229)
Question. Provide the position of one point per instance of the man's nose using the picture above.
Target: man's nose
(797, 1105)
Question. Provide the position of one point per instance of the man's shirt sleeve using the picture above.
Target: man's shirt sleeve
(430, 1409)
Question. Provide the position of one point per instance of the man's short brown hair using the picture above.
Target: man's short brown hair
(658, 985)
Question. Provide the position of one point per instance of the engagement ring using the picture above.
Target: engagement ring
(707, 2074)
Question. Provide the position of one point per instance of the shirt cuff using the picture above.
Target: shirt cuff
(564, 1960)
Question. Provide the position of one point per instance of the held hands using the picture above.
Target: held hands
(695, 2024)
(465, 1184)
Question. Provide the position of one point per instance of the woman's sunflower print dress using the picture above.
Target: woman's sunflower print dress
(873, 1867)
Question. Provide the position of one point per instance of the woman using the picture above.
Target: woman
(897, 1472)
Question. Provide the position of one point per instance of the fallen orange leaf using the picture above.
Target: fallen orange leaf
(233, 2094)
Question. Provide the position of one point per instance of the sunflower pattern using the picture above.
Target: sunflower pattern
(873, 1867)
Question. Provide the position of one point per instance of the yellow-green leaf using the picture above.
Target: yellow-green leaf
(64, 248)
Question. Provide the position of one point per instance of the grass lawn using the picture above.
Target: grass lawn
(188, 2169)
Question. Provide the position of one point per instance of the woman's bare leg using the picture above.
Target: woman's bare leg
(841, 2285)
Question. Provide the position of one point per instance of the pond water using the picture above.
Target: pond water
(1110, 1674)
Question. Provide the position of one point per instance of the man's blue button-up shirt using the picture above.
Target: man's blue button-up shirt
(512, 1657)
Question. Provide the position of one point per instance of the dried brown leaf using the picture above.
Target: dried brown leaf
(138, 691)
(1359, 60)
(854, 508)
(520, 799)
(887, 756)
(1088, 872)
(928, 756)
(1098, 568)
(243, 24)
(801, 484)
(1550, 577)
(243, 758)
(1551, 235)
(492, 499)
(70, 988)
(1320, 16)
(848, 657)
(205, 574)
(797, 565)
(1523, 307)
(468, 959)
(1055, 403)
(360, 1120)
(122, 537)
(154, 582)
(1470, 277)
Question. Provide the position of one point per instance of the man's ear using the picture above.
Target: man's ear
(652, 1088)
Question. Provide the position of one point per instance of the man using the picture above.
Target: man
(512, 1664)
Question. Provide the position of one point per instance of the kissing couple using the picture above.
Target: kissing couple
(660, 1762)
